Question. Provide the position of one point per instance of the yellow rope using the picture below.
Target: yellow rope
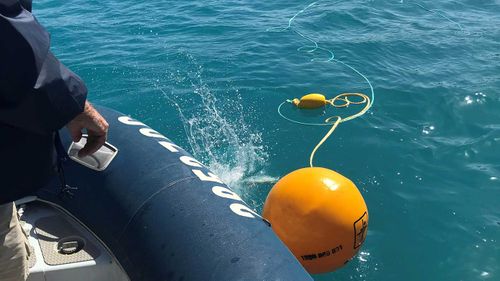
(345, 102)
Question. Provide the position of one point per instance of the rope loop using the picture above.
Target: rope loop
(343, 100)
(346, 100)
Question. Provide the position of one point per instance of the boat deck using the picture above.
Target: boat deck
(63, 249)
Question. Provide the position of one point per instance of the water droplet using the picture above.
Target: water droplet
(427, 129)
(468, 100)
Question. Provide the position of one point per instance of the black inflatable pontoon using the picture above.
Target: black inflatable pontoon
(163, 215)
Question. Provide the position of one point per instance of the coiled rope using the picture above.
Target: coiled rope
(343, 98)
(345, 101)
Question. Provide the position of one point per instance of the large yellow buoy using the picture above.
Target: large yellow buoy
(320, 215)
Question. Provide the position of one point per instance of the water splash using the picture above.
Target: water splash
(216, 130)
(364, 265)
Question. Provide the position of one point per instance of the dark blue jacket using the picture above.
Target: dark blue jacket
(38, 96)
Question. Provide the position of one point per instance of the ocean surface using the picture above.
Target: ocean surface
(211, 74)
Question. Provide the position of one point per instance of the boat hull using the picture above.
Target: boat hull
(165, 216)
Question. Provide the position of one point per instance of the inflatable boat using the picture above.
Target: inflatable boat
(142, 208)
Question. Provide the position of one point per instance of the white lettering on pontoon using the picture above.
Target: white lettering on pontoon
(225, 193)
(148, 132)
(190, 161)
(220, 191)
(170, 146)
(242, 210)
(208, 177)
(129, 121)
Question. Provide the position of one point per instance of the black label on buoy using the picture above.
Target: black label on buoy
(336, 249)
(360, 228)
(309, 257)
(322, 254)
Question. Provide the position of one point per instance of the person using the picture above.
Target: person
(38, 96)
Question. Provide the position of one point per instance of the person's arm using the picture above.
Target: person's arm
(37, 92)
(24, 45)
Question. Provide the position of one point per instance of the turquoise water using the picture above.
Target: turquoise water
(211, 74)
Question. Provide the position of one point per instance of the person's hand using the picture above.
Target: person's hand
(96, 127)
